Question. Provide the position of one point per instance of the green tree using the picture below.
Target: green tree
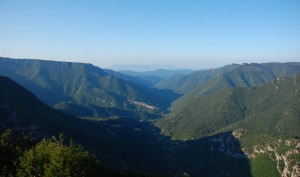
(11, 149)
(51, 158)
(8, 153)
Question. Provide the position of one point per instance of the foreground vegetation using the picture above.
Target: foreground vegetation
(50, 157)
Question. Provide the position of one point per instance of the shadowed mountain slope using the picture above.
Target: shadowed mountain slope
(122, 143)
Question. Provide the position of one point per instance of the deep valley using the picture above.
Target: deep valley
(237, 120)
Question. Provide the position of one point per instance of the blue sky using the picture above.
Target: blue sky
(187, 33)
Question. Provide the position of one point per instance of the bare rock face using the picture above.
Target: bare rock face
(286, 153)
(291, 166)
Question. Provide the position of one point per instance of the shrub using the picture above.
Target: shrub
(51, 158)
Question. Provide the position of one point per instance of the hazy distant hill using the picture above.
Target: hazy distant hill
(161, 73)
(145, 80)
(148, 78)
(143, 68)
(184, 83)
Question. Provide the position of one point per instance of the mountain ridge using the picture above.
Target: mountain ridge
(82, 84)
(21, 111)
(188, 83)
(246, 115)
(264, 104)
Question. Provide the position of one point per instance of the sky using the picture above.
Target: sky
(185, 33)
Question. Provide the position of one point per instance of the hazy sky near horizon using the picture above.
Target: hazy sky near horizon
(187, 33)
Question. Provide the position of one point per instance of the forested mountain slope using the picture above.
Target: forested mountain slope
(120, 142)
(234, 75)
(272, 108)
(241, 115)
(87, 86)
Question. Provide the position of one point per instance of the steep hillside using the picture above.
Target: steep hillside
(21, 110)
(234, 75)
(263, 119)
(120, 142)
(283, 69)
(85, 85)
(272, 108)
(246, 75)
(185, 83)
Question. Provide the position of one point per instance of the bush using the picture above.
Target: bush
(10, 151)
(51, 158)
(263, 166)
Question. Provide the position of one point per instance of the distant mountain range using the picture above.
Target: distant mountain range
(161, 73)
(144, 68)
(182, 122)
